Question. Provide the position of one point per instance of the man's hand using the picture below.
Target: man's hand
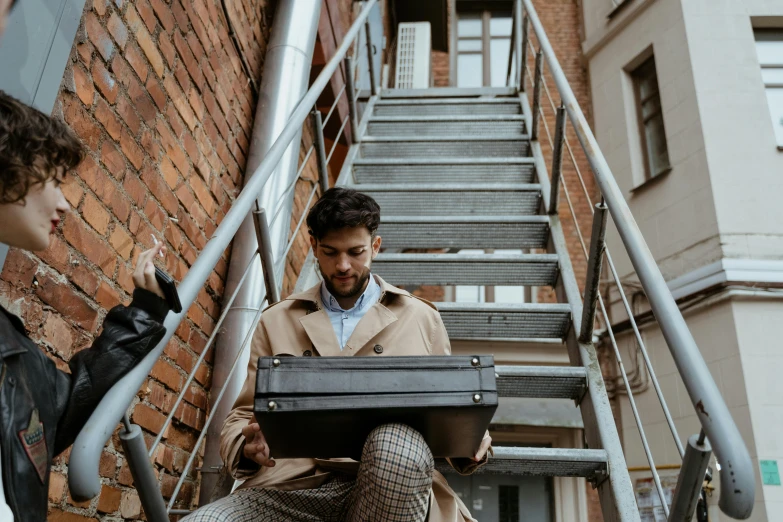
(144, 275)
(486, 442)
(256, 448)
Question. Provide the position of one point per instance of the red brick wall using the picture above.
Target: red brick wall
(159, 96)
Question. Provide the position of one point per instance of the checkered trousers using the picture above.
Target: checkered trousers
(393, 485)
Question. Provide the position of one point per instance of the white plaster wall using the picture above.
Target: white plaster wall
(723, 335)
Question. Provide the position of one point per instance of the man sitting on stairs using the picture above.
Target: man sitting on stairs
(353, 313)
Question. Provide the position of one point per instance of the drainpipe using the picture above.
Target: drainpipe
(285, 81)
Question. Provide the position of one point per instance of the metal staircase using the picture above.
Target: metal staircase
(463, 169)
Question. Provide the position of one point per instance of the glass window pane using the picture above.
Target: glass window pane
(775, 101)
(469, 294)
(469, 25)
(650, 107)
(509, 294)
(770, 52)
(469, 70)
(508, 504)
(469, 45)
(500, 24)
(498, 54)
(657, 153)
(772, 76)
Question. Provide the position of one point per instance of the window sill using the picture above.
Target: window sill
(619, 7)
(650, 182)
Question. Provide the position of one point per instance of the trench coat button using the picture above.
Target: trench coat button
(307, 353)
(378, 348)
(12, 381)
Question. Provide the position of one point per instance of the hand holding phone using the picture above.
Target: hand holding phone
(166, 283)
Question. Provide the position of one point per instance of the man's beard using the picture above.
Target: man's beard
(355, 290)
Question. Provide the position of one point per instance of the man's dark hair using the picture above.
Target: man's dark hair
(341, 207)
(33, 148)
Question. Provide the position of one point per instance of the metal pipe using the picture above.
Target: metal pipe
(320, 149)
(557, 158)
(264, 240)
(370, 60)
(691, 479)
(518, 46)
(144, 480)
(537, 95)
(597, 248)
(738, 483)
(511, 45)
(525, 37)
(351, 93)
(85, 456)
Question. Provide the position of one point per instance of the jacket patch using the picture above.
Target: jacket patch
(34, 444)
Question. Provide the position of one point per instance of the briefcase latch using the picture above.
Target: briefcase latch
(475, 361)
(477, 398)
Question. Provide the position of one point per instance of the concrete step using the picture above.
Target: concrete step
(464, 232)
(463, 269)
(505, 321)
(497, 199)
(445, 146)
(476, 171)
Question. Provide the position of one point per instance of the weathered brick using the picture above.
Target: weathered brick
(164, 372)
(137, 62)
(160, 190)
(113, 159)
(144, 40)
(94, 213)
(90, 244)
(131, 150)
(149, 419)
(147, 14)
(82, 123)
(173, 149)
(57, 515)
(126, 111)
(142, 103)
(56, 486)
(107, 118)
(65, 300)
(155, 214)
(203, 194)
(109, 501)
(118, 30)
(164, 14)
(167, 49)
(83, 85)
(107, 296)
(156, 91)
(122, 242)
(72, 191)
(130, 505)
(98, 36)
(99, 6)
(108, 465)
(180, 102)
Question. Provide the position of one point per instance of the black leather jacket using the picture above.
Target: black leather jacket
(42, 408)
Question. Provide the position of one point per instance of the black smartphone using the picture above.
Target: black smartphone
(169, 288)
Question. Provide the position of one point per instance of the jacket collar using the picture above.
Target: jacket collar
(321, 332)
(9, 343)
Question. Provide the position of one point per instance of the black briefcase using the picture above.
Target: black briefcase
(324, 407)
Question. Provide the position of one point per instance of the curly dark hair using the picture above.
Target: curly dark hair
(34, 147)
(341, 207)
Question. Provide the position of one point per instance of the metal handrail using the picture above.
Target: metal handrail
(737, 480)
(83, 477)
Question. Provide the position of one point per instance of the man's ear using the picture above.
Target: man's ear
(376, 246)
(313, 243)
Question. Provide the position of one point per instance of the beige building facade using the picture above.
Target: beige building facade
(699, 157)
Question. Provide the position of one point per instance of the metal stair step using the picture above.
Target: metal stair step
(445, 146)
(447, 106)
(444, 170)
(459, 269)
(446, 125)
(541, 382)
(548, 462)
(502, 199)
(505, 321)
(464, 231)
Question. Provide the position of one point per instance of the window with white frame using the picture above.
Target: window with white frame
(650, 116)
(490, 294)
(483, 45)
(769, 47)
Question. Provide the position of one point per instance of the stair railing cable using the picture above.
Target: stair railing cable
(737, 480)
(84, 479)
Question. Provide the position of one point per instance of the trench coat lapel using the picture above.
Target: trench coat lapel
(321, 333)
(374, 321)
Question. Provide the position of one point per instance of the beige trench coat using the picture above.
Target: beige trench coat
(400, 322)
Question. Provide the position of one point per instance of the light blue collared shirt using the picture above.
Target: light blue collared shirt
(344, 321)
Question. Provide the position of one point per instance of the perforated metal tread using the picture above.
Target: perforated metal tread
(445, 146)
(470, 125)
(547, 462)
(459, 269)
(505, 321)
(541, 382)
(444, 170)
(447, 106)
(464, 231)
(437, 200)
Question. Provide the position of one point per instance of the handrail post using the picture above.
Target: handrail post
(350, 92)
(557, 158)
(135, 450)
(267, 257)
(523, 54)
(320, 149)
(594, 263)
(691, 479)
(370, 61)
(512, 44)
(537, 95)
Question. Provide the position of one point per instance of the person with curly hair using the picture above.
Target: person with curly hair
(43, 408)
